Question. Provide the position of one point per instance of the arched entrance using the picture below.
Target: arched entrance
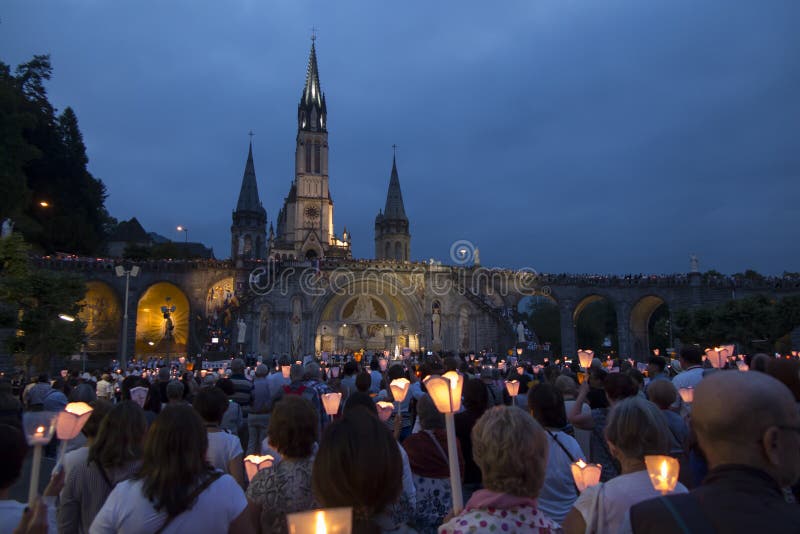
(162, 321)
(650, 327)
(367, 315)
(595, 320)
(102, 313)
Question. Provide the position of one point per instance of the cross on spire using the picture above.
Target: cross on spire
(394, 150)
(251, 134)
(313, 33)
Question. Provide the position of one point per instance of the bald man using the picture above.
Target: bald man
(748, 425)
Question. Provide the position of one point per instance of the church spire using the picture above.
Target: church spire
(312, 111)
(394, 208)
(248, 194)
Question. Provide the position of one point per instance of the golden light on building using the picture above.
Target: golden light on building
(153, 327)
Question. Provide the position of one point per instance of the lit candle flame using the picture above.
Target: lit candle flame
(581, 463)
(40, 429)
(664, 472)
(321, 528)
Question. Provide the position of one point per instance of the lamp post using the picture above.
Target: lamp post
(127, 273)
(445, 391)
(185, 233)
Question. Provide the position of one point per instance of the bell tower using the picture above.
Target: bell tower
(392, 238)
(249, 228)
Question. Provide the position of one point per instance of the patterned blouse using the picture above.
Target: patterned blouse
(519, 520)
(282, 489)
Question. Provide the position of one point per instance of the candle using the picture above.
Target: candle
(687, 394)
(330, 402)
(385, 410)
(585, 475)
(663, 472)
(512, 386)
(327, 521)
(39, 428)
(255, 463)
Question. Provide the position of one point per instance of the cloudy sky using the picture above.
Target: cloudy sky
(563, 135)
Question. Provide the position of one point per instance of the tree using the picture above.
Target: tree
(544, 319)
(743, 321)
(43, 158)
(32, 300)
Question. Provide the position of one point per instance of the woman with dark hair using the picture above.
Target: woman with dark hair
(285, 487)
(152, 403)
(617, 387)
(358, 465)
(176, 489)
(224, 449)
(476, 399)
(427, 455)
(558, 494)
(114, 456)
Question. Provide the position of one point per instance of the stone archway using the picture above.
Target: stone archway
(368, 314)
(641, 313)
(101, 312)
(162, 321)
(596, 323)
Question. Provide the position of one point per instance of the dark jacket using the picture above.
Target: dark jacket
(732, 499)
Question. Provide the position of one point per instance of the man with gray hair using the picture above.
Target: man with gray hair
(258, 420)
(748, 426)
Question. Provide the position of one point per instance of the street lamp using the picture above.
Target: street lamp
(127, 273)
(185, 233)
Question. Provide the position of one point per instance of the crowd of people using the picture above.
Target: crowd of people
(164, 448)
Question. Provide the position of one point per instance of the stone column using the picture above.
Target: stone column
(623, 310)
(568, 338)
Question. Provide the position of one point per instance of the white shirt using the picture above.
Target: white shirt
(615, 500)
(558, 492)
(128, 511)
(222, 448)
(11, 512)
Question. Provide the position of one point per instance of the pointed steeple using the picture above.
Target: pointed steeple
(394, 208)
(312, 111)
(248, 195)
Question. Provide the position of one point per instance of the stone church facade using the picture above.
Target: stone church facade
(318, 298)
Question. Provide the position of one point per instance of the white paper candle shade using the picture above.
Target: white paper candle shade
(71, 420)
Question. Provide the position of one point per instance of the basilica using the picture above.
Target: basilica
(320, 297)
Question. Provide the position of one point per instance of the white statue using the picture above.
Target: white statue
(477, 257)
(694, 263)
(241, 245)
(364, 309)
(8, 227)
(241, 331)
(436, 322)
(520, 332)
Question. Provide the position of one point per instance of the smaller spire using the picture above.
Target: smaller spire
(248, 194)
(394, 208)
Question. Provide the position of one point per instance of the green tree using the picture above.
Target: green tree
(543, 318)
(32, 300)
(43, 157)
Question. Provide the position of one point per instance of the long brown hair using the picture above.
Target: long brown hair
(174, 459)
(339, 476)
(119, 439)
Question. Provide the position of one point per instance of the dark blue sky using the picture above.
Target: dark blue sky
(580, 136)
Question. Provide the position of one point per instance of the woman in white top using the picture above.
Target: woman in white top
(176, 489)
(558, 493)
(635, 428)
(224, 449)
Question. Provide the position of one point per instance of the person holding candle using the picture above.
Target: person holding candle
(476, 399)
(748, 425)
(285, 487)
(617, 387)
(14, 447)
(635, 428)
(176, 490)
(114, 456)
(100, 409)
(427, 455)
(510, 448)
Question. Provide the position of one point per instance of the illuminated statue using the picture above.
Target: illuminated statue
(8, 227)
(241, 331)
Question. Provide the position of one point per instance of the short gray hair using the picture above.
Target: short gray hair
(637, 428)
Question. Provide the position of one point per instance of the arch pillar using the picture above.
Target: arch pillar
(623, 310)
(568, 336)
